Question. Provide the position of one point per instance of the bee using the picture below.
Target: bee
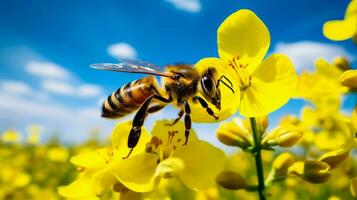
(180, 83)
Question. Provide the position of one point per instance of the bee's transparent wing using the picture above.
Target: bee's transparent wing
(132, 66)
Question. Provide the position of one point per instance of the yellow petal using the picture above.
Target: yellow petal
(272, 85)
(103, 179)
(338, 30)
(119, 140)
(334, 158)
(202, 163)
(229, 105)
(351, 10)
(326, 69)
(92, 160)
(243, 34)
(80, 188)
(138, 172)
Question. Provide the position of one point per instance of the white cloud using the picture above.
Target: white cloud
(58, 87)
(63, 88)
(193, 6)
(47, 70)
(15, 87)
(122, 50)
(89, 90)
(20, 88)
(304, 53)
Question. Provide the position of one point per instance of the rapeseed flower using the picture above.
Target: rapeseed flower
(165, 156)
(263, 86)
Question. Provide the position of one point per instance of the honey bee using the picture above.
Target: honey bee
(181, 82)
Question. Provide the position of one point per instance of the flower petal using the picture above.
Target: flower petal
(338, 30)
(229, 104)
(326, 69)
(243, 34)
(92, 160)
(273, 83)
(78, 189)
(202, 161)
(119, 140)
(351, 10)
(138, 172)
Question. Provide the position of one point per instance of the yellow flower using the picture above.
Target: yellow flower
(264, 86)
(11, 136)
(343, 29)
(58, 154)
(332, 129)
(95, 167)
(312, 86)
(196, 164)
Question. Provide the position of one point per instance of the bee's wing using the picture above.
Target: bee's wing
(132, 66)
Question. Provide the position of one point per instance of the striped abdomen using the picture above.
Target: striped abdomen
(129, 97)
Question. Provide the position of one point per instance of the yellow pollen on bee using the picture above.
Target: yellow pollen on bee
(244, 78)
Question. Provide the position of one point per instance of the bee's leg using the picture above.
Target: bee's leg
(180, 114)
(187, 120)
(138, 121)
(155, 108)
(205, 105)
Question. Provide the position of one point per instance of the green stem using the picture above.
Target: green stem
(258, 158)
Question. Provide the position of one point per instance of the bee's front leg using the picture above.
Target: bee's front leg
(188, 122)
(205, 105)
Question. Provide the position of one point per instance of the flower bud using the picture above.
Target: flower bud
(234, 134)
(282, 163)
(334, 158)
(311, 171)
(283, 136)
(342, 63)
(231, 180)
(349, 79)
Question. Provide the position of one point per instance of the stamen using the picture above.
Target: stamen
(241, 70)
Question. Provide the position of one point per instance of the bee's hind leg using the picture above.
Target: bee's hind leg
(139, 119)
(205, 105)
(188, 122)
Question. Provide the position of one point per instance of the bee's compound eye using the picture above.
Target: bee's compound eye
(207, 84)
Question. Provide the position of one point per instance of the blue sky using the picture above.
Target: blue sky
(47, 46)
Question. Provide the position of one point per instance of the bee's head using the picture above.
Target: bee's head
(210, 90)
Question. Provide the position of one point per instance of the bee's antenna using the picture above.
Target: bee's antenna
(220, 80)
